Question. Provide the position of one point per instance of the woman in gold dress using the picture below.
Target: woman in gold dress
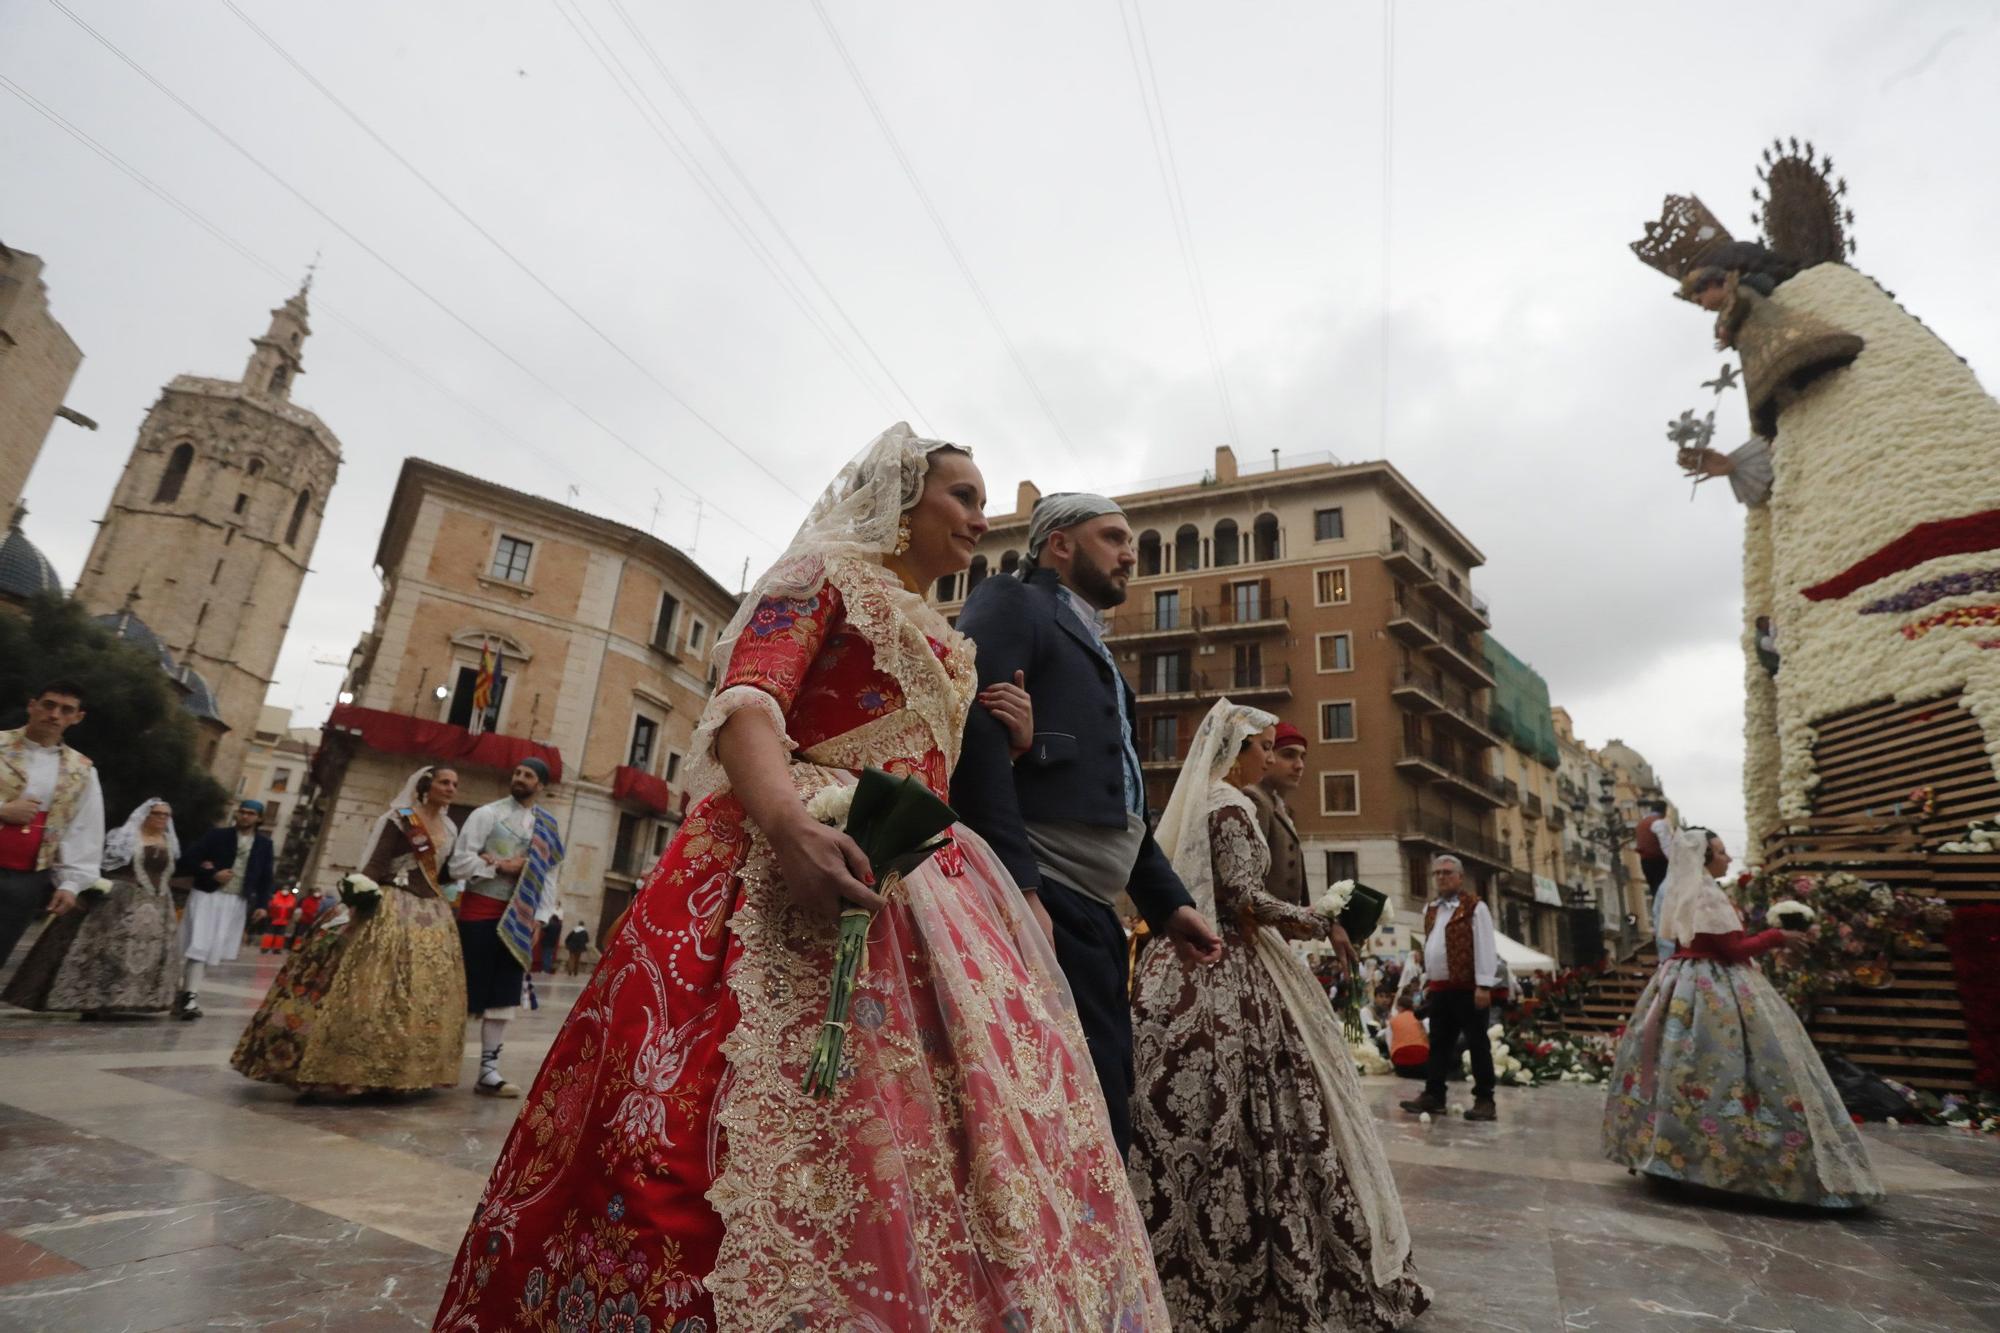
(379, 1004)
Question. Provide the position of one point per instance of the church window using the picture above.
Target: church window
(510, 559)
(645, 735)
(663, 626)
(298, 518)
(256, 467)
(242, 502)
(278, 378)
(178, 462)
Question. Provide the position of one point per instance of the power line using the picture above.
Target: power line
(386, 263)
(259, 261)
(628, 85)
(729, 160)
(937, 220)
(495, 242)
(1170, 181)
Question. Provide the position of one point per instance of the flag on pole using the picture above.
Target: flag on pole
(483, 686)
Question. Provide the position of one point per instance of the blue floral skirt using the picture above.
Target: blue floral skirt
(1717, 1084)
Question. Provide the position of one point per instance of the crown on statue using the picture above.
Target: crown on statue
(1685, 232)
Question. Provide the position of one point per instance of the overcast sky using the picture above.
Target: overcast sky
(1531, 365)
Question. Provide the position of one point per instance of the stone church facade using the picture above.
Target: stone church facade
(210, 530)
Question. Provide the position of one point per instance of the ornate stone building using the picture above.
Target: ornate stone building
(209, 531)
(37, 362)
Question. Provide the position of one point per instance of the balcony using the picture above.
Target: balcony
(1249, 616)
(1402, 560)
(1491, 792)
(1558, 817)
(1426, 829)
(1249, 682)
(1135, 625)
(1165, 756)
(1418, 689)
(1416, 625)
(1421, 764)
(1457, 651)
(1165, 686)
(1463, 603)
(1457, 710)
(1531, 805)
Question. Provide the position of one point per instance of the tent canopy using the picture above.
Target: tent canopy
(1519, 957)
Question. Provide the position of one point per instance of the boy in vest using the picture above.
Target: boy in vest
(51, 815)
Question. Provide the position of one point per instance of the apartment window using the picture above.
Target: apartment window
(645, 734)
(1249, 663)
(1336, 651)
(281, 779)
(663, 625)
(1164, 733)
(510, 559)
(1328, 525)
(1340, 793)
(1167, 610)
(1451, 580)
(1336, 721)
(697, 632)
(1247, 601)
(673, 765)
(1330, 586)
(274, 814)
(1165, 673)
(1342, 865)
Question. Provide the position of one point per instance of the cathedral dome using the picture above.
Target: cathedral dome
(198, 698)
(24, 571)
(124, 625)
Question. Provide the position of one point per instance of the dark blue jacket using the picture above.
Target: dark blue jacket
(217, 848)
(1075, 771)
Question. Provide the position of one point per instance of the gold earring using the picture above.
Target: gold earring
(902, 535)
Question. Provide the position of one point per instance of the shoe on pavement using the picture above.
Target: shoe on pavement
(1424, 1105)
(501, 1089)
(1483, 1110)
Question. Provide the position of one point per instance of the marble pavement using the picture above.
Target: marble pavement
(144, 1186)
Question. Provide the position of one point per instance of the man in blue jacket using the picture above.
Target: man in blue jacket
(1069, 817)
(232, 884)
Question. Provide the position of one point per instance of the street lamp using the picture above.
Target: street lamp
(441, 693)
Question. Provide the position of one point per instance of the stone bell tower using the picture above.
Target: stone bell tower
(208, 534)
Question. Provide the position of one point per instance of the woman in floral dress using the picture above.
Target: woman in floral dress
(379, 1005)
(1254, 1156)
(667, 1170)
(1716, 1082)
(119, 951)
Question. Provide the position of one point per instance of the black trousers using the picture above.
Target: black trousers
(24, 895)
(492, 974)
(1090, 946)
(1455, 1018)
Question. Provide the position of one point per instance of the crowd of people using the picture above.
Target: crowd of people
(1028, 1128)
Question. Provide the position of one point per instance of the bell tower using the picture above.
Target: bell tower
(212, 524)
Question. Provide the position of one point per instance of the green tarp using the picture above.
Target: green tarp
(1520, 703)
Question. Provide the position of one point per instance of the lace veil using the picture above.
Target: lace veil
(1183, 831)
(123, 844)
(1693, 903)
(404, 799)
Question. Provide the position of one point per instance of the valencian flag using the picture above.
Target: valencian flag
(486, 688)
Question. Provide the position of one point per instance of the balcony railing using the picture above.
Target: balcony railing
(1425, 687)
(1254, 611)
(1176, 754)
(1459, 652)
(1416, 624)
(1452, 834)
(1463, 601)
(1531, 805)
(1129, 623)
(1158, 684)
(1429, 762)
(1557, 816)
(1494, 791)
(1402, 558)
(1246, 680)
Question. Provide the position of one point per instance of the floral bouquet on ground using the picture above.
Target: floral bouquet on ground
(361, 894)
(897, 823)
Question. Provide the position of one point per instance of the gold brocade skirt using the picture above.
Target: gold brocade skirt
(385, 1013)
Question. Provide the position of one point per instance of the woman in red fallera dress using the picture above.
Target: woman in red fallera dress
(667, 1173)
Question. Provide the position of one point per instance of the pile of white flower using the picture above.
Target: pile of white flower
(1526, 1062)
(1368, 1060)
(1981, 836)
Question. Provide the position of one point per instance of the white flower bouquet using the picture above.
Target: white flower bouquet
(1356, 907)
(1789, 915)
(96, 886)
(361, 894)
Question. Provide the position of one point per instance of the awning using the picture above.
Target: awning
(641, 788)
(1548, 891)
(440, 742)
(1519, 957)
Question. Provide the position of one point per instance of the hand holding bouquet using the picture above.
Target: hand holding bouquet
(1789, 915)
(361, 894)
(1354, 907)
(896, 822)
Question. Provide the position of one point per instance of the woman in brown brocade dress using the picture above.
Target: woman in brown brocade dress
(379, 1004)
(1254, 1156)
(119, 951)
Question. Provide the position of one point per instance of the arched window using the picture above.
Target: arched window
(255, 468)
(1149, 553)
(298, 518)
(975, 575)
(1264, 538)
(1227, 550)
(278, 378)
(1010, 563)
(169, 489)
(1187, 548)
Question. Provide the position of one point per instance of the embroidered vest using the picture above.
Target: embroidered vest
(1459, 971)
(71, 778)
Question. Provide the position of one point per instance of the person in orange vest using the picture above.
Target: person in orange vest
(308, 912)
(1409, 1047)
(277, 920)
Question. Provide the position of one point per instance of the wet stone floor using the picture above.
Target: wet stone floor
(144, 1185)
